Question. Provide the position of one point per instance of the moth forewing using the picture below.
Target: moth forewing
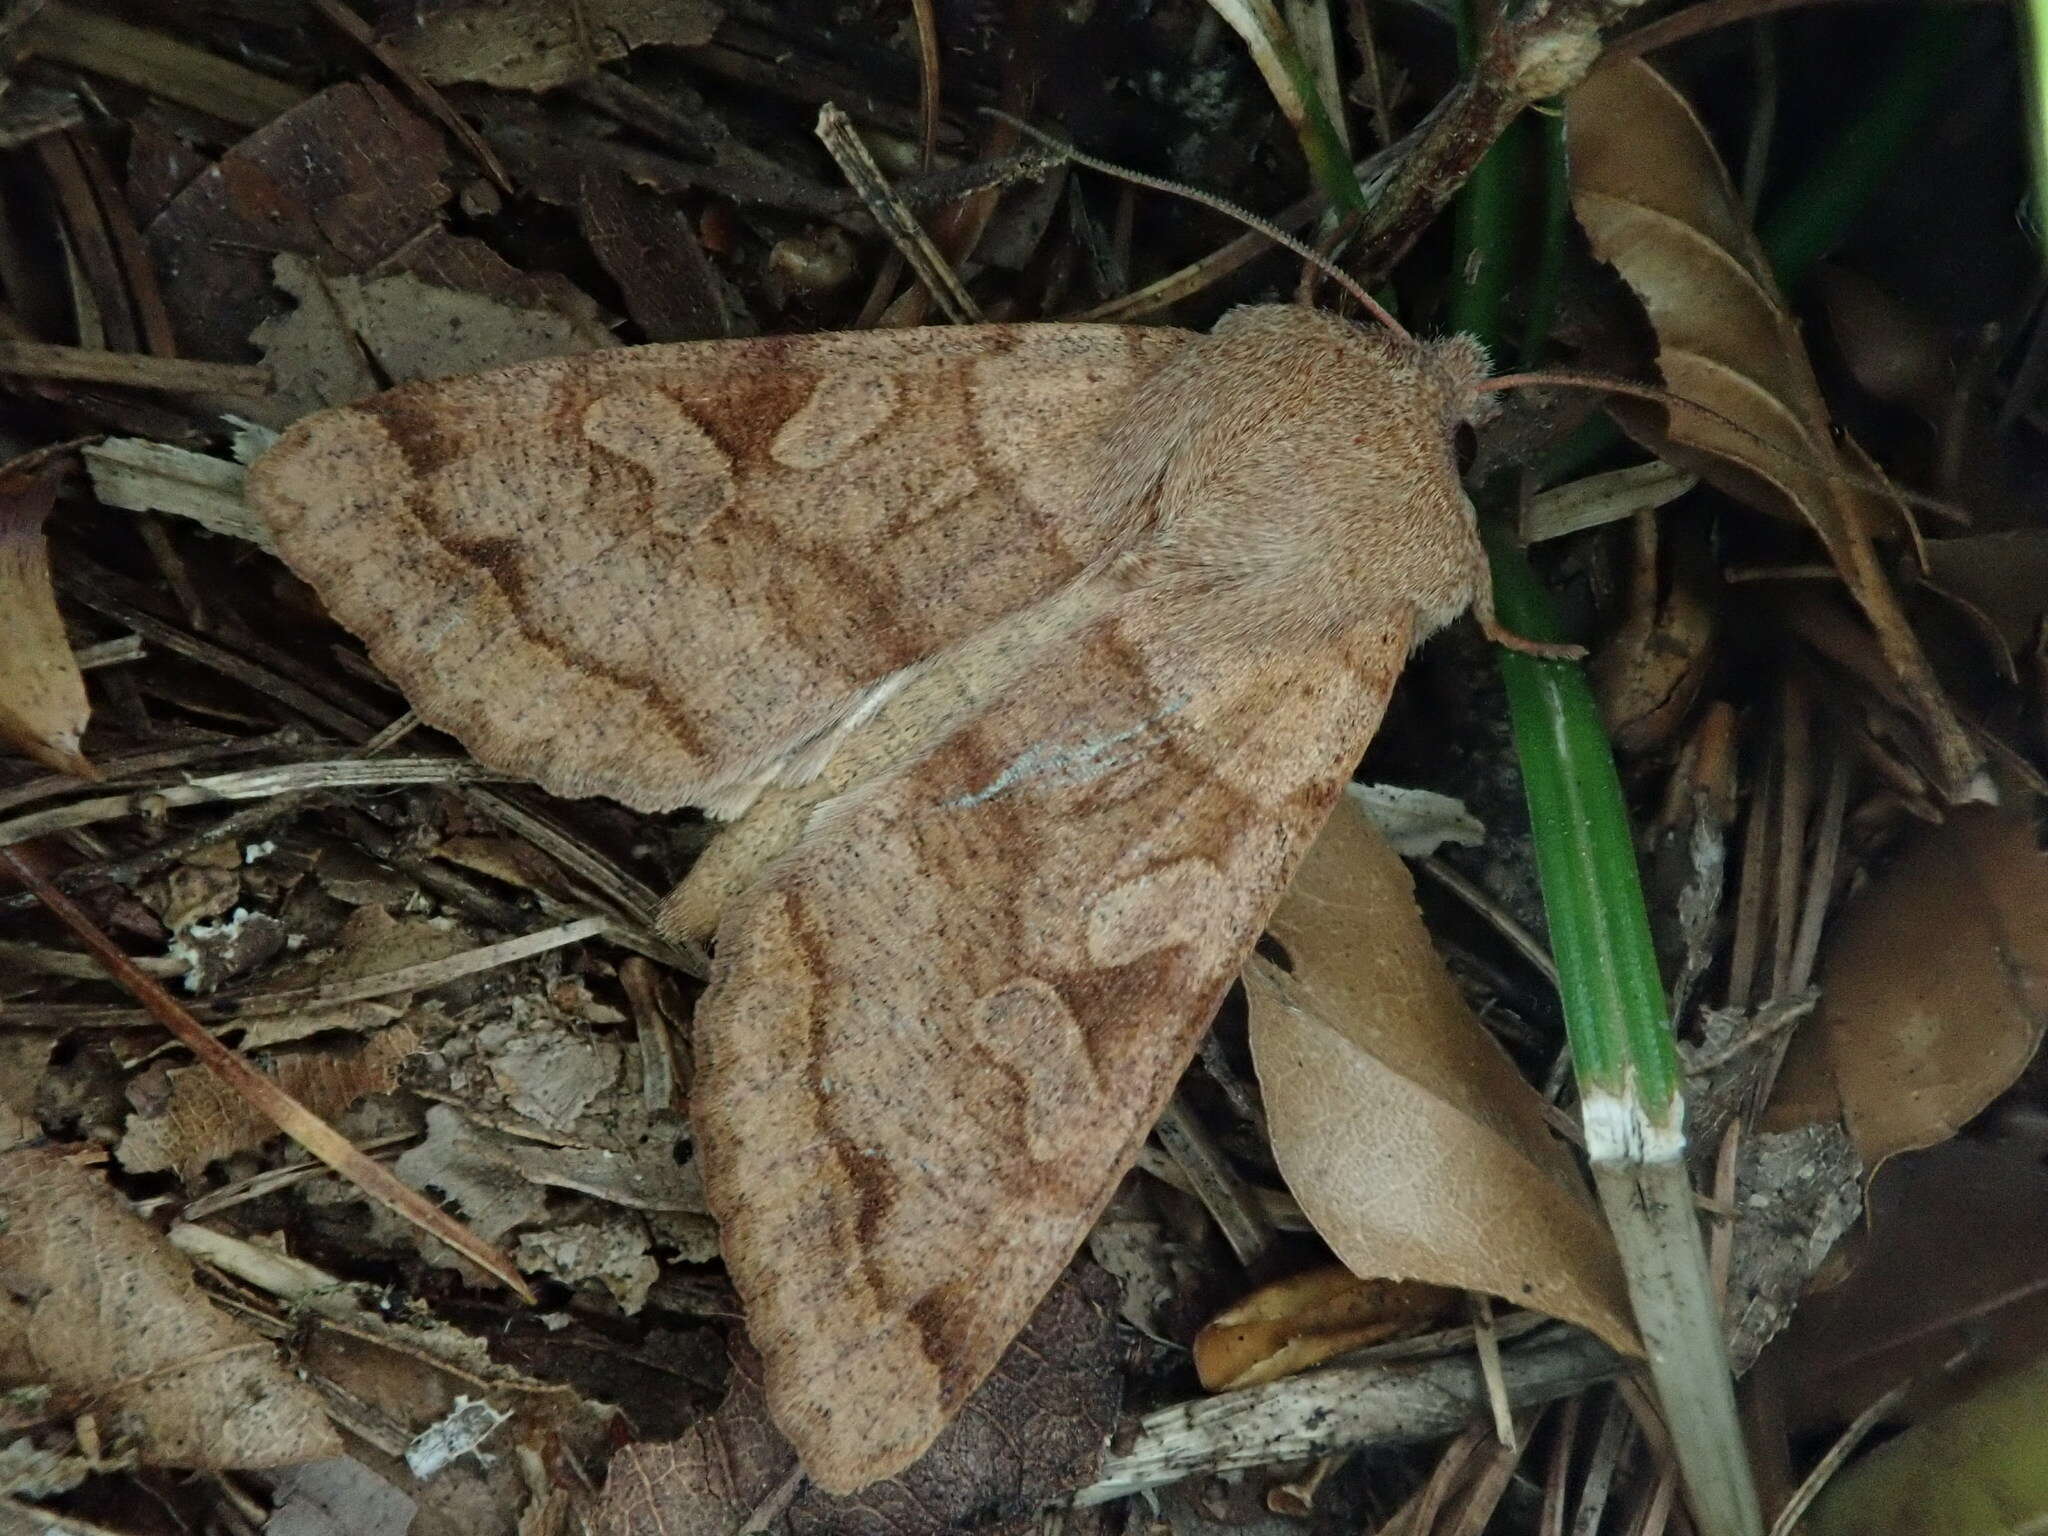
(656, 572)
(941, 1026)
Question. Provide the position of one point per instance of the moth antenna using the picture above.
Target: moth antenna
(1668, 399)
(1224, 206)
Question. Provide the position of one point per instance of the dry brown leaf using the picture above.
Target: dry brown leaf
(474, 1168)
(203, 1119)
(1033, 1430)
(339, 1497)
(2000, 580)
(1409, 1138)
(1934, 986)
(1302, 1321)
(1893, 350)
(1948, 1265)
(1657, 205)
(43, 708)
(96, 1304)
(611, 1251)
(667, 283)
(349, 179)
(350, 337)
(536, 45)
(510, 859)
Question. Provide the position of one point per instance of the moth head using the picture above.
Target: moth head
(1306, 467)
(1460, 365)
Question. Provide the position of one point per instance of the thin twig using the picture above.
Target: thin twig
(1692, 21)
(351, 26)
(235, 1007)
(1227, 1198)
(135, 370)
(1825, 1469)
(263, 1094)
(1525, 943)
(252, 784)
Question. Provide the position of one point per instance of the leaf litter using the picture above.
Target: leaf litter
(297, 210)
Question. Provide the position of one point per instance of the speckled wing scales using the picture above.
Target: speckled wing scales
(656, 573)
(942, 1025)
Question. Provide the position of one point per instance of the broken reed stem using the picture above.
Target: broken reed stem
(1613, 997)
(263, 1094)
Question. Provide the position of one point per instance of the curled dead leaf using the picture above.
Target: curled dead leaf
(1934, 987)
(1657, 205)
(1412, 1143)
(1302, 1321)
(1649, 673)
(43, 708)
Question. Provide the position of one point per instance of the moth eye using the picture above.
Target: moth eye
(1465, 443)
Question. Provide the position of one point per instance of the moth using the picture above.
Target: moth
(1025, 662)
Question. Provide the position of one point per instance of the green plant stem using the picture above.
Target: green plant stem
(1546, 282)
(1608, 980)
(1480, 281)
(1808, 220)
(1616, 1016)
(1293, 84)
(2034, 50)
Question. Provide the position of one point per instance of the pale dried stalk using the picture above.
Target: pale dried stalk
(1327, 1411)
(835, 131)
(251, 784)
(404, 978)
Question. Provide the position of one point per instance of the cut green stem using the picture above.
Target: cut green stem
(1616, 1015)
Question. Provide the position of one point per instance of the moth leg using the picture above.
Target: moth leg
(1549, 650)
(1500, 634)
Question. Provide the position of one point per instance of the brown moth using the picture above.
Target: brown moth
(1029, 658)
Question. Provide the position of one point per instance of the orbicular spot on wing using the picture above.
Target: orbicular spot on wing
(844, 411)
(1186, 902)
(691, 474)
(1027, 1032)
